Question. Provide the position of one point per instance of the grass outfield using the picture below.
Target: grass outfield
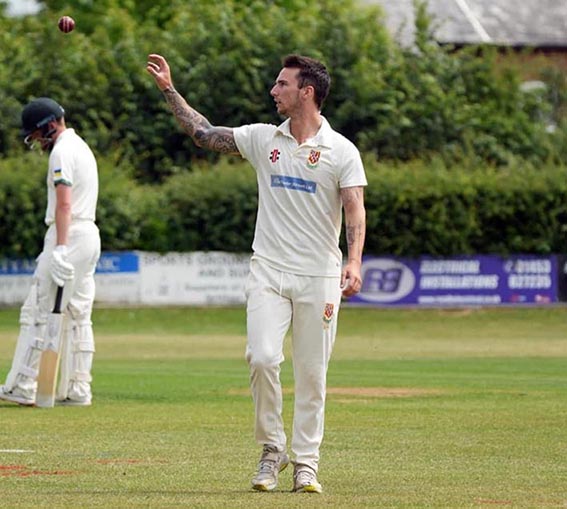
(426, 408)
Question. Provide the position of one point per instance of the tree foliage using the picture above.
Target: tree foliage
(393, 102)
(456, 110)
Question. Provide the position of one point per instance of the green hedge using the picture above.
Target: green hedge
(439, 211)
(412, 209)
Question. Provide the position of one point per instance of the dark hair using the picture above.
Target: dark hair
(311, 72)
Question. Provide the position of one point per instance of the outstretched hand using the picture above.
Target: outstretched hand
(158, 67)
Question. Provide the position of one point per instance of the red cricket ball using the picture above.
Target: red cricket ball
(66, 24)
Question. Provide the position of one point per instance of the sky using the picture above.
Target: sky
(20, 7)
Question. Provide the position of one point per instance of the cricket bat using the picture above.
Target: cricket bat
(49, 363)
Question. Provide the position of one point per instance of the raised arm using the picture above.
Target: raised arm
(355, 225)
(219, 139)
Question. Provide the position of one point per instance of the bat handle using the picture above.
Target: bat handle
(58, 299)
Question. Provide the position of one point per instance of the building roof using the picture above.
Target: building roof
(518, 23)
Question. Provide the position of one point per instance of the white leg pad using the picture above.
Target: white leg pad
(25, 368)
(79, 364)
(65, 359)
(26, 361)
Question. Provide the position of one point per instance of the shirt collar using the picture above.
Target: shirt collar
(322, 138)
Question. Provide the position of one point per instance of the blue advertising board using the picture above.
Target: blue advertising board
(459, 281)
(17, 267)
(109, 263)
(113, 262)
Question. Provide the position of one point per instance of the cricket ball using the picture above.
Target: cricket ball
(66, 24)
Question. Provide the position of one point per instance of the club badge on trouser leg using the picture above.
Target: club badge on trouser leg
(49, 363)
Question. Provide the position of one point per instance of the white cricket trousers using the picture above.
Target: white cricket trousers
(276, 300)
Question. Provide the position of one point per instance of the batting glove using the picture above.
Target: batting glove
(61, 270)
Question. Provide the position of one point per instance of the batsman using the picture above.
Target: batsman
(307, 175)
(70, 253)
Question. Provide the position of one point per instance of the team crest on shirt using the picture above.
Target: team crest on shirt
(57, 173)
(328, 314)
(313, 159)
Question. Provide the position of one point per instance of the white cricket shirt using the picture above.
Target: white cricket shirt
(72, 163)
(299, 205)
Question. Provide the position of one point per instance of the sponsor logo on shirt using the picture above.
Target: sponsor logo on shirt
(274, 155)
(294, 183)
(313, 159)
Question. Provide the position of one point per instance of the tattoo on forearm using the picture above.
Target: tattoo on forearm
(219, 139)
(188, 118)
(355, 234)
(355, 228)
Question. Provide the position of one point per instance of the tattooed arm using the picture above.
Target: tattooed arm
(219, 139)
(355, 225)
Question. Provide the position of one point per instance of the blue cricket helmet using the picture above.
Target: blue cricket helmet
(39, 113)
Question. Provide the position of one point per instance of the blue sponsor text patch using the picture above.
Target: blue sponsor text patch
(296, 184)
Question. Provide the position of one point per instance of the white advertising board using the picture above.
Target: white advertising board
(200, 278)
(143, 278)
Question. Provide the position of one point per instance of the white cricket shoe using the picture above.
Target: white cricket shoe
(270, 465)
(305, 480)
(15, 396)
(73, 402)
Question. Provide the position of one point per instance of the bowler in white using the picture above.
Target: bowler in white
(308, 175)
